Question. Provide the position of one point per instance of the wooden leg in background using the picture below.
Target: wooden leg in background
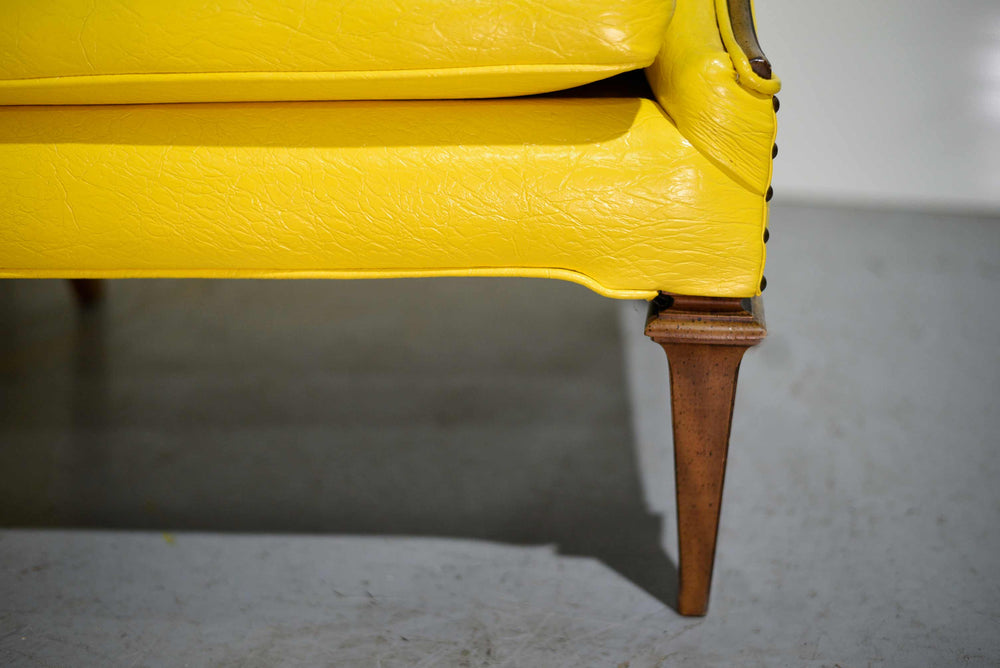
(704, 339)
(88, 291)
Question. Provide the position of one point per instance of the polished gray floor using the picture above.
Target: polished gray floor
(477, 472)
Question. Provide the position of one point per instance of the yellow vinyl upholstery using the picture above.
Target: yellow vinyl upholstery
(127, 51)
(628, 195)
(602, 191)
(706, 86)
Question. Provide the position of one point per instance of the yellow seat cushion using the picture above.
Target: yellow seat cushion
(602, 191)
(132, 51)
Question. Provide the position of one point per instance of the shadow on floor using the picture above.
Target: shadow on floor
(492, 410)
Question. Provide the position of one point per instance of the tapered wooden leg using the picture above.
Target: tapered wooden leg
(702, 389)
(88, 291)
(704, 340)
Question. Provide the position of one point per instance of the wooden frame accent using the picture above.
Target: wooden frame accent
(704, 339)
(741, 18)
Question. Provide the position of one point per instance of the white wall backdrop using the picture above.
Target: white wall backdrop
(887, 102)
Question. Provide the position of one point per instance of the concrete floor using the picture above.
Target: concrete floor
(477, 472)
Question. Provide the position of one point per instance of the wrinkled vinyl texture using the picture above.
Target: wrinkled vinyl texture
(627, 196)
(122, 51)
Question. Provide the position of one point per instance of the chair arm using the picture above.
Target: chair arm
(739, 35)
(713, 80)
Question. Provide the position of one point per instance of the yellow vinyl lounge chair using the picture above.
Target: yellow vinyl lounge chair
(395, 138)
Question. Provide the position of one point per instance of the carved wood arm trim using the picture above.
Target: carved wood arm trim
(739, 34)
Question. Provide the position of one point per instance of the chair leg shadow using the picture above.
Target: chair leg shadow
(642, 561)
(338, 448)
